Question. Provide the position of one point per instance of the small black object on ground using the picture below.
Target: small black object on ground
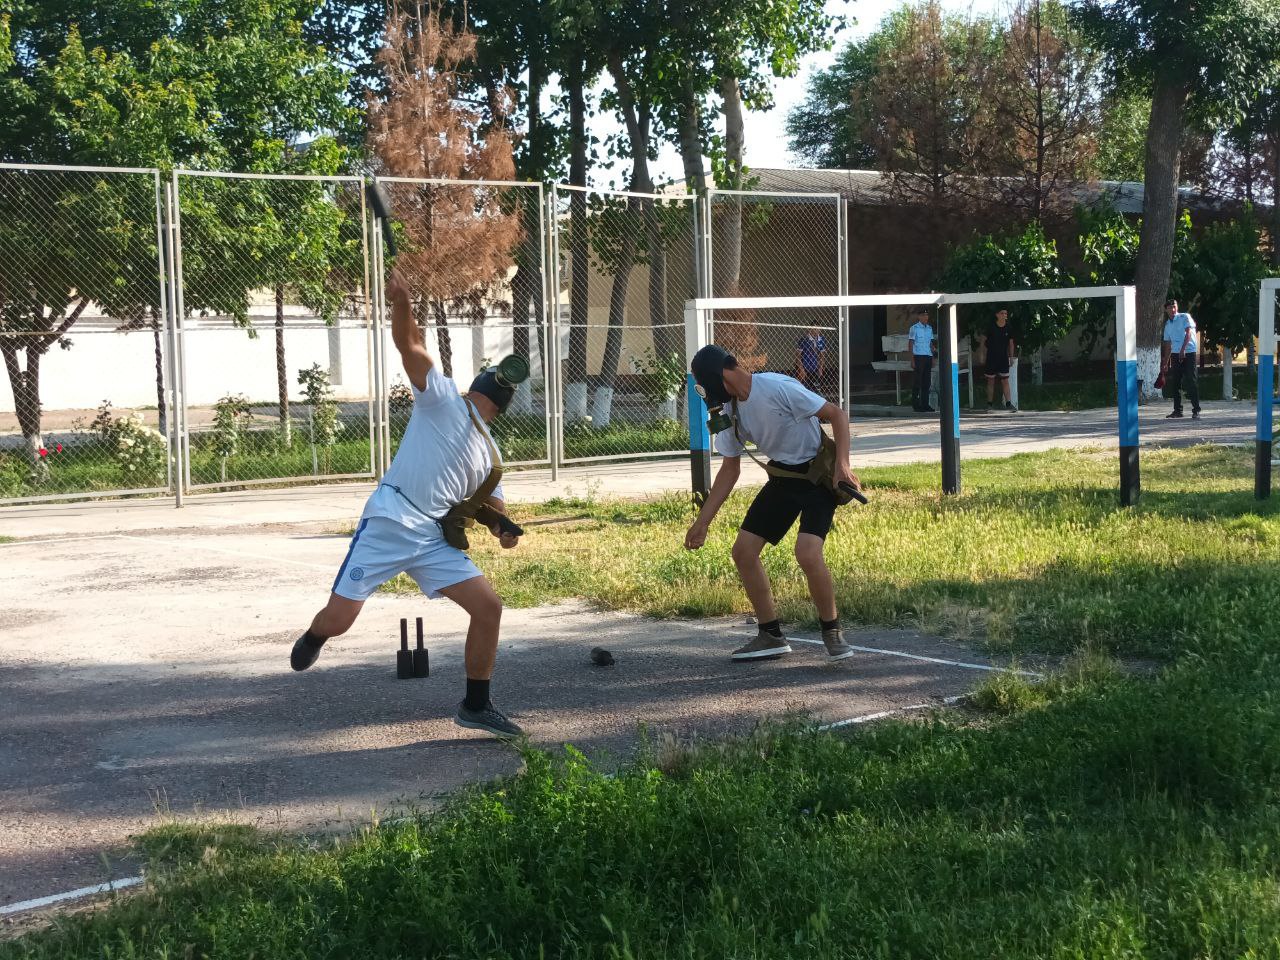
(601, 657)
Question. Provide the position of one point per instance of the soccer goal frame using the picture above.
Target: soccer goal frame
(1267, 399)
(700, 316)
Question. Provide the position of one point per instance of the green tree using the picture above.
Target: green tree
(134, 83)
(1020, 261)
(1227, 266)
(831, 127)
(1207, 58)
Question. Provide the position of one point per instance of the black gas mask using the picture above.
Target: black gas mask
(499, 383)
(708, 375)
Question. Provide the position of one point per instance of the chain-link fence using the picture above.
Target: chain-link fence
(274, 321)
(473, 256)
(207, 331)
(625, 267)
(82, 334)
(782, 245)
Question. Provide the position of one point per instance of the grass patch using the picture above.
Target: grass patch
(1034, 555)
(1094, 814)
(1121, 818)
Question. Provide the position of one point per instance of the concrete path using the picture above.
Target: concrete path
(146, 677)
(876, 442)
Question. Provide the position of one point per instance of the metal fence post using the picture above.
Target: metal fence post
(164, 254)
(842, 281)
(555, 398)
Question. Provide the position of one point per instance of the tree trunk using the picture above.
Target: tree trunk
(444, 337)
(282, 373)
(161, 406)
(626, 256)
(26, 400)
(728, 271)
(689, 128)
(575, 371)
(1275, 198)
(1159, 220)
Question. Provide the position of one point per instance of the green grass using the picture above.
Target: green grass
(1103, 813)
(1035, 555)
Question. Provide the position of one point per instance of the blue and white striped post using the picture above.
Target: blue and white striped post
(695, 338)
(1127, 390)
(1266, 388)
(949, 398)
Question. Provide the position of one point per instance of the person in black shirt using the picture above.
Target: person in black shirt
(999, 347)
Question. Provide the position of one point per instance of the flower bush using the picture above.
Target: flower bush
(141, 451)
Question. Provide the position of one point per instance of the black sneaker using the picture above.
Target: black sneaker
(305, 652)
(1008, 405)
(490, 719)
(928, 410)
(1195, 414)
(1176, 415)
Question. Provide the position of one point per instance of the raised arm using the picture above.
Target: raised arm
(405, 333)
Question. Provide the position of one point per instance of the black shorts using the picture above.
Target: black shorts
(998, 368)
(781, 500)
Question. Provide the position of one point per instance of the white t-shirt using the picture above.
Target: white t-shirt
(442, 459)
(779, 417)
(921, 336)
(1175, 331)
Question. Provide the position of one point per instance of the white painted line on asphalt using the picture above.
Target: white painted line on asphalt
(990, 668)
(897, 711)
(108, 887)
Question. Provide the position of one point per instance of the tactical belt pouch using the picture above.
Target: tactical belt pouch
(822, 468)
(454, 523)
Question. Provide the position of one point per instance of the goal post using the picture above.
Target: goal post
(1263, 444)
(739, 320)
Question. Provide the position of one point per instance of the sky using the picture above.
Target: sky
(766, 134)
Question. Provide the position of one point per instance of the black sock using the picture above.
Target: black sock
(313, 641)
(477, 697)
(772, 628)
(830, 624)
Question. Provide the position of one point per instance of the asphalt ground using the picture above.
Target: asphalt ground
(144, 678)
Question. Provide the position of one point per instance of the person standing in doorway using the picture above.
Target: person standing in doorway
(923, 348)
(811, 359)
(1179, 351)
(1000, 347)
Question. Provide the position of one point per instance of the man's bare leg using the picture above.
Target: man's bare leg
(478, 598)
(823, 591)
(334, 620)
(482, 603)
(817, 573)
(746, 557)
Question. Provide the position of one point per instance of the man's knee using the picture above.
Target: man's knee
(746, 552)
(809, 553)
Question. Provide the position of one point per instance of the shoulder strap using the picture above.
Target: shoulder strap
(472, 505)
(815, 470)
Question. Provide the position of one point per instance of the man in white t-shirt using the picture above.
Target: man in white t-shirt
(1179, 351)
(445, 456)
(784, 420)
(921, 337)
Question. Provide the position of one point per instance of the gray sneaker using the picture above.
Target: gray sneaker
(490, 719)
(837, 649)
(764, 647)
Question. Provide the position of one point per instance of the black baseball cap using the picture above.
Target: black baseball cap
(708, 371)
